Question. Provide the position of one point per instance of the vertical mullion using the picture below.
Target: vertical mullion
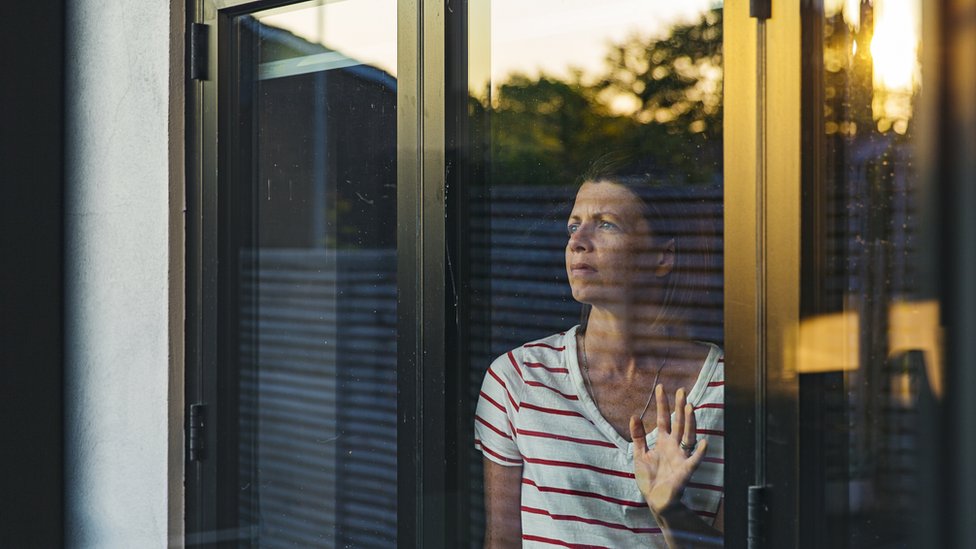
(421, 244)
(813, 528)
(940, 471)
(956, 172)
(202, 283)
(462, 178)
(433, 245)
(409, 291)
(781, 299)
(762, 201)
(741, 303)
(455, 345)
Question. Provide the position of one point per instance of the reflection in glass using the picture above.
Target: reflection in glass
(870, 344)
(315, 174)
(553, 86)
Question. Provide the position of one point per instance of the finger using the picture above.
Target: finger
(679, 418)
(663, 411)
(691, 426)
(695, 459)
(638, 434)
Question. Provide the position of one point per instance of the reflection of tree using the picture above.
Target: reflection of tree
(546, 130)
(675, 81)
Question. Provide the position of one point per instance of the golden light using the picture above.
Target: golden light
(829, 343)
(894, 48)
(850, 10)
(894, 54)
(831, 7)
(852, 13)
(915, 326)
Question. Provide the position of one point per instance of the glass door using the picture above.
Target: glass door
(870, 351)
(384, 223)
(834, 311)
(551, 97)
(298, 382)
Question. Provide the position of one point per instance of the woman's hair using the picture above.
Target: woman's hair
(675, 214)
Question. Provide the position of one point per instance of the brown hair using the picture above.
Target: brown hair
(670, 211)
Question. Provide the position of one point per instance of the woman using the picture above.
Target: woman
(557, 417)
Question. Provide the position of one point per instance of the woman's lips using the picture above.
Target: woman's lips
(582, 268)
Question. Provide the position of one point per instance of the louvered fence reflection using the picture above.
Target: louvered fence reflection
(318, 380)
(318, 398)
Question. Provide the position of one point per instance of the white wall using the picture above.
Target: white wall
(119, 376)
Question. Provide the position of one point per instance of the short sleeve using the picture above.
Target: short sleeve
(497, 414)
(706, 488)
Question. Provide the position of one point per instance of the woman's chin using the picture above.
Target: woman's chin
(600, 300)
(590, 296)
(583, 295)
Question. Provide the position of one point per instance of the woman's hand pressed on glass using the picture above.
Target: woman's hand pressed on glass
(662, 472)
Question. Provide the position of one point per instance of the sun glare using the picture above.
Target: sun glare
(894, 48)
(894, 54)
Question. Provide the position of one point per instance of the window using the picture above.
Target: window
(387, 202)
(555, 89)
(303, 387)
(871, 364)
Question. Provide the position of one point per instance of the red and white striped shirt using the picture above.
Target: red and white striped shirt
(578, 485)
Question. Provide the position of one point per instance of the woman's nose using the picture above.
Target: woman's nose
(579, 240)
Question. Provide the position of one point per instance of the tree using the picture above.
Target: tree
(546, 130)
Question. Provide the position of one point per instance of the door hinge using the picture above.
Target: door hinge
(757, 511)
(199, 45)
(761, 9)
(196, 444)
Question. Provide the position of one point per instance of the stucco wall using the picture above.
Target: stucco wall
(117, 273)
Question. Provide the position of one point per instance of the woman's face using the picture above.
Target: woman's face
(609, 256)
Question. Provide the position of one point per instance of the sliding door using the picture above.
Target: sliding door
(379, 206)
(294, 407)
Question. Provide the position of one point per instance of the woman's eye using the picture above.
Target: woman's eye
(608, 226)
(572, 228)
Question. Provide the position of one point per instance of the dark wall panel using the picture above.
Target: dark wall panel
(31, 122)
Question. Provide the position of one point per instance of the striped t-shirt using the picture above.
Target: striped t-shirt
(578, 483)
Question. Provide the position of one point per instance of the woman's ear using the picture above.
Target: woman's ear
(664, 263)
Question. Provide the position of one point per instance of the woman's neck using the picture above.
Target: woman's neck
(624, 341)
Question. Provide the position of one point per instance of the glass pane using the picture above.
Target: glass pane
(870, 343)
(625, 98)
(315, 161)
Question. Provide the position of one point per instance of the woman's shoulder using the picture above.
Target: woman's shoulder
(713, 366)
(552, 350)
(710, 387)
(716, 355)
(558, 342)
(713, 351)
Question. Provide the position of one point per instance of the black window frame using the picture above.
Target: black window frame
(429, 419)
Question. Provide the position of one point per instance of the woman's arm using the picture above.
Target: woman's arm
(684, 528)
(663, 472)
(503, 497)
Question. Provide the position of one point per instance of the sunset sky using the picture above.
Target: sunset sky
(526, 35)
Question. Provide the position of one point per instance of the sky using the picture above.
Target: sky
(527, 36)
(554, 35)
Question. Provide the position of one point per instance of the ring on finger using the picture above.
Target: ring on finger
(688, 447)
